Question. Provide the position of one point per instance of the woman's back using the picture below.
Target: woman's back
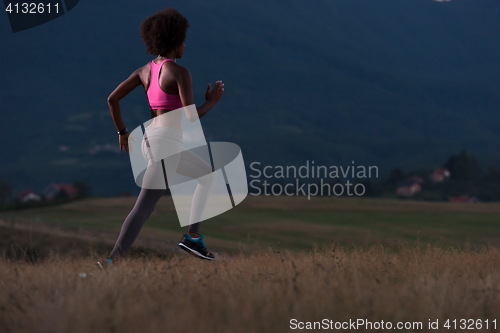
(157, 97)
(163, 94)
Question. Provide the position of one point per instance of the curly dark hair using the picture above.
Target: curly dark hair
(164, 31)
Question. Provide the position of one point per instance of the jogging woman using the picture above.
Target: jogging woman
(168, 87)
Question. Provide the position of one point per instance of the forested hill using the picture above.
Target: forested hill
(385, 82)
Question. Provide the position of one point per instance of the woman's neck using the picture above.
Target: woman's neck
(169, 55)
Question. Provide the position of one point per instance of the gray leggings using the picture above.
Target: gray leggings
(184, 163)
(144, 206)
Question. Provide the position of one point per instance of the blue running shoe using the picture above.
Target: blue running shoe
(105, 264)
(195, 247)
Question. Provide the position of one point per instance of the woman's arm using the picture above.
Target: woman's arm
(114, 105)
(184, 83)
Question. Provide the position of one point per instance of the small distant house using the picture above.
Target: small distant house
(438, 175)
(408, 187)
(57, 191)
(464, 199)
(28, 195)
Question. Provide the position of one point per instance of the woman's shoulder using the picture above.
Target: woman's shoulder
(147, 66)
(143, 69)
(176, 69)
(143, 73)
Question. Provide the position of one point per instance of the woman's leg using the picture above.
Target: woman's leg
(165, 150)
(143, 208)
(195, 167)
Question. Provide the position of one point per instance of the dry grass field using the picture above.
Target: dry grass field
(260, 292)
(282, 263)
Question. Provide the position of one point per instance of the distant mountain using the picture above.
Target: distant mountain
(387, 83)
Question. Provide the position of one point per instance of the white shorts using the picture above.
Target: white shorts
(162, 148)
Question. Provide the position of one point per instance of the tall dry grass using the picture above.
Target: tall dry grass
(260, 292)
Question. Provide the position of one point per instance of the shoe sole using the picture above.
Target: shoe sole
(193, 252)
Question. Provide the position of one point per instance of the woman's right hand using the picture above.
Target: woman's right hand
(124, 142)
(214, 95)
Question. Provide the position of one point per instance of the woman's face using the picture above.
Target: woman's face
(180, 50)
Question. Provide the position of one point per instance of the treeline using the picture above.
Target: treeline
(5, 192)
(9, 200)
(466, 178)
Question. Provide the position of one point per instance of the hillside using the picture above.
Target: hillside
(385, 83)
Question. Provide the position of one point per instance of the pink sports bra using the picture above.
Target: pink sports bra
(158, 99)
